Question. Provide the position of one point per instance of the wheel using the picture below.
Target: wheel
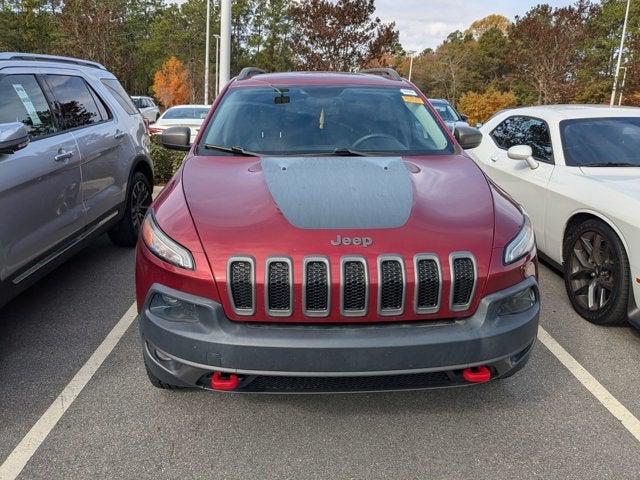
(156, 382)
(126, 232)
(596, 273)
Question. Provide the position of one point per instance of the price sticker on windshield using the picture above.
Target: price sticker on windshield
(415, 100)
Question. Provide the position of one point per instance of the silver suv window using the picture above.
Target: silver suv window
(120, 95)
(22, 100)
(76, 105)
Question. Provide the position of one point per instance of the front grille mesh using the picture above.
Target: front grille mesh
(463, 281)
(391, 286)
(317, 287)
(354, 288)
(241, 280)
(428, 287)
(279, 287)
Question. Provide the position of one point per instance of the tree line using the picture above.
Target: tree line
(547, 55)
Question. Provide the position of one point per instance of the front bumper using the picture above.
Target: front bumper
(295, 358)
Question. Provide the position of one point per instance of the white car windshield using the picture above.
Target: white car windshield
(189, 113)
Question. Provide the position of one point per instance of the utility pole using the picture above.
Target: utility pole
(217, 37)
(411, 54)
(624, 80)
(206, 55)
(620, 52)
(225, 42)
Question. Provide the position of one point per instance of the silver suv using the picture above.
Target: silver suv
(74, 163)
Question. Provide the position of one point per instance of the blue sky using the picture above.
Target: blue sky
(425, 23)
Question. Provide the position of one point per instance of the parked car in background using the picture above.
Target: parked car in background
(576, 170)
(310, 242)
(190, 116)
(74, 163)
(147, 107)
(449, 115)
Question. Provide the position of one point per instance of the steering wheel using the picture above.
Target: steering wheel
(377, 135)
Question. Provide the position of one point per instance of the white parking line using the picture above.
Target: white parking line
(20, 455)
(589, 382)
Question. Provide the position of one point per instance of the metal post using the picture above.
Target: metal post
(624, 80)
(620, 52)
(217, 37)
(206, 55)
(225, 42)
(411, 54)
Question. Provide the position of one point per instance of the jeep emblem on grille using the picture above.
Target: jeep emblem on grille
(340, 240)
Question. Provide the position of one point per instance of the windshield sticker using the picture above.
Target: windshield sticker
(407, 91)
(28, 104)
(416, 100)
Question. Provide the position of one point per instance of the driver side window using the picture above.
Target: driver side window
(525, 131)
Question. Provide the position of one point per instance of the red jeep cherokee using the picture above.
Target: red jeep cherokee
(327, 233)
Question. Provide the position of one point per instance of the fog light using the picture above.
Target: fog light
(174, 309)
(518, 303)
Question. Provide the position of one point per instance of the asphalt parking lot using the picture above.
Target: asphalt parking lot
(542, 423)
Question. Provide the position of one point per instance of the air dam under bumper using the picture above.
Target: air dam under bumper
(337, 357)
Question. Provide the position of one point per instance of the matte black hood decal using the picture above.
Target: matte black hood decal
(340, 192)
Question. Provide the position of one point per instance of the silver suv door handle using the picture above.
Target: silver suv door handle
(62, 156)
(118, 135)
(494, 158)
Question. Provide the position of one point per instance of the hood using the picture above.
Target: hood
(300, 207)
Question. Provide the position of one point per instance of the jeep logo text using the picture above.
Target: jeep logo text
(340, 240)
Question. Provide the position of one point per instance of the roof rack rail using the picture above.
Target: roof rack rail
(249, 72)
(389, 73)
(49, 58)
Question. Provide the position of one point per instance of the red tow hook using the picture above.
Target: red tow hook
(224, 381)
(479, 374)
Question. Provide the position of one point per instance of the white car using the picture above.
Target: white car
(147, 107)
(190, 116)
(576, 171)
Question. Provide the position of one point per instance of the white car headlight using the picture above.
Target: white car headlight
(164, 247)
(522, 244)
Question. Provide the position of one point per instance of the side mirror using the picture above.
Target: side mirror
(176, 138)
(467, 137)
(13, 137)
(523, 152)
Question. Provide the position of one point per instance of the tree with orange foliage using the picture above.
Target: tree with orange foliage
(480, 106)
(170, 83)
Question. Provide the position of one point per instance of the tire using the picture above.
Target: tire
(596, 273)
(125, 233)
(156, 382)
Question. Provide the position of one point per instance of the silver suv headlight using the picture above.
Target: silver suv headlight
(522, 244)
(163, 246)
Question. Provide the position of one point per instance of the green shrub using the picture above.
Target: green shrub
(165, 162)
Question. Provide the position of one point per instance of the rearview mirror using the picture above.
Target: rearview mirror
(176, 138)
(467, 137)
(13, 137)
(523, 152)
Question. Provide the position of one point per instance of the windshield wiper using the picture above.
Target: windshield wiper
(348, 152)
(236, 150)
(612, 164)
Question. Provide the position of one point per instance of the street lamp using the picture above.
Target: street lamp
(620, 52)
(206, 55)
(217, 37)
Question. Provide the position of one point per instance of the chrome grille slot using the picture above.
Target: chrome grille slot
(428, 287)
(241, 284)
(316, 287)
(463, 280)
(278, 287)
(391, 285)
(354, 289)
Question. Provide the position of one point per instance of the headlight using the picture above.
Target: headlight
(522, 244)
(164, 247)
(518, 303)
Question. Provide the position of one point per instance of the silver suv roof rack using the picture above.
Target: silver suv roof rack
(35, 57)
(249, 72)
(389, 73)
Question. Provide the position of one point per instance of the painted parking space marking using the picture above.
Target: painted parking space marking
(628, 420)
(20, 455)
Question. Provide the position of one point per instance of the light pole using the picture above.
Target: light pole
(217, 37)
(624, 80)
(206, 55)
(225, 42)
(620, 52)
(411, 54)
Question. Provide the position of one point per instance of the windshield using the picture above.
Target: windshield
(193, 113)
(138, 102)
(447, 113)
(601, 141)
(326, 119)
